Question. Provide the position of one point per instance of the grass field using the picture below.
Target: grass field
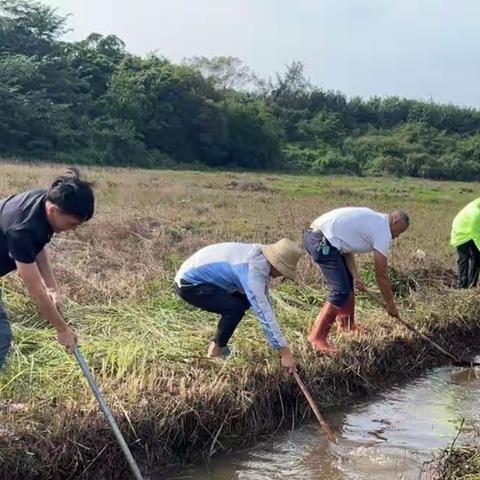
(147, 348)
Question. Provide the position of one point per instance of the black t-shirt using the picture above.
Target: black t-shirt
(24, 229)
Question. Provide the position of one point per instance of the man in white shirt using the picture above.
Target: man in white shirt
(332, 241)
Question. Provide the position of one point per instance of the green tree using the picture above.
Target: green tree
(172, 107)
(226, 73)
(29, 27)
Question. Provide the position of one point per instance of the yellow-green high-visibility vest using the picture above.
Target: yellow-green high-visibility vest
(466, 225)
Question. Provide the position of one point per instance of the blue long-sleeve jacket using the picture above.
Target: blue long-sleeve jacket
(237, 267)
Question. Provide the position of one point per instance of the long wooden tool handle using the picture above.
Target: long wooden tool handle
(315, 409)
(378, 300)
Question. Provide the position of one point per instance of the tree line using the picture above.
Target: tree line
(92, 102)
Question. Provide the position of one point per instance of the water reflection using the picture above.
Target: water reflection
(387, 438)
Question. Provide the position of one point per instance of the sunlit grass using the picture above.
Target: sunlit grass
(147, 347)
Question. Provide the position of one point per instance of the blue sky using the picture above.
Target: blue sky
(412, 48)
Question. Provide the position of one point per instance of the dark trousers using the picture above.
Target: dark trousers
(468, 262)
(5, 333)
(333, 266)
(231, 306)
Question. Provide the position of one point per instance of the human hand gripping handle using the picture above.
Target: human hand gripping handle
(359, 284)
(289, 363)
(30, 274)
(392, 310)
(67, 338)
(287, 360)
(455, 360)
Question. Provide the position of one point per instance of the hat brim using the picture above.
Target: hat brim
(270, 254)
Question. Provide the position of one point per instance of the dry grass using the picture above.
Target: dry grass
(455, 463)
(147, 347)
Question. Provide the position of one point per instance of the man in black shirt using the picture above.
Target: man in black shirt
(27, 222)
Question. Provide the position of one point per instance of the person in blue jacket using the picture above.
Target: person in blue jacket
(230, 278)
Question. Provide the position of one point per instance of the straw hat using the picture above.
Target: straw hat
(283, 255)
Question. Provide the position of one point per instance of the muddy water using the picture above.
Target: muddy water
(387, 437)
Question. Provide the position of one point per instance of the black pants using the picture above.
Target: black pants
(468, 264)
(231, 306)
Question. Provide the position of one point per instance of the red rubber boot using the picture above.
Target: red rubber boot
(346, 317)
(321, 328)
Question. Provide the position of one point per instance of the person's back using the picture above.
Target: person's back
(219, 264)
(465, 237)
(24, 201)
(355, 229)
(466, 224)
(22, 215)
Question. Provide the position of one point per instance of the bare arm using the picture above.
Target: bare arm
(352, 267)
(30, 274)
(46, 270)
(381, 274)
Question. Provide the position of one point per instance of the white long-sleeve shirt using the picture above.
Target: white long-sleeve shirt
(237, 267)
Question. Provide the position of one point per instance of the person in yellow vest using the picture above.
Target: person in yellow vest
(465, 237)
